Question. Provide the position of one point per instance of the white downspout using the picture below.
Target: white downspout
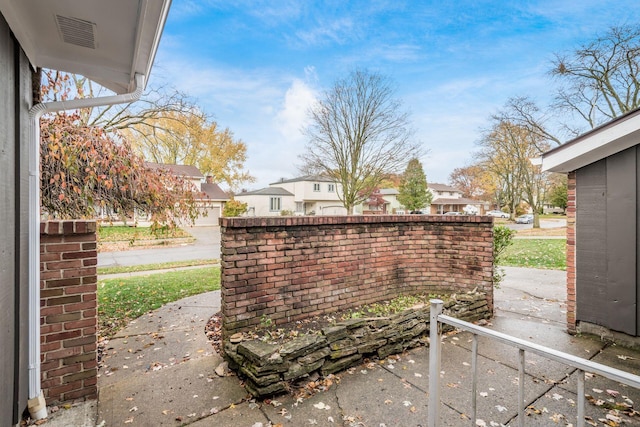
(36, 405)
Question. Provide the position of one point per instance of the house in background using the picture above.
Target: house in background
(112, 45)
(449, 199)
(307, 195)
(603, 252)
(187, 172)
(269, 201)
(213, 201)
(209, 194)
(318, 195)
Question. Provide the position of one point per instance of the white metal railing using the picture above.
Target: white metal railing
(582, 365)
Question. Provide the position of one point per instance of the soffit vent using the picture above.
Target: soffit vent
(77, 31)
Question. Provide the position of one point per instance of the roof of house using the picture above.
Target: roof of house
(107, 41)
(186, 171)
(213, 191)
(442, 187)
(267, 191)
(311, 178)
(612, 137)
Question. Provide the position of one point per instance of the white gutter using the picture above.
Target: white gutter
(36, 405)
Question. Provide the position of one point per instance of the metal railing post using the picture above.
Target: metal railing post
(434, 363)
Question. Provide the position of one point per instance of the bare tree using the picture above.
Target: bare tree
(164, 126)
(507, 150)
(358, 135)
(599, 80)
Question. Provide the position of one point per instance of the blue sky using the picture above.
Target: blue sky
(256, 66)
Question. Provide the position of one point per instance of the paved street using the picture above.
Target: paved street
(206, 246)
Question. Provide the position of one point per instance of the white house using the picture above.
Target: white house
(306, 195)
(449, 199)
(269, 201)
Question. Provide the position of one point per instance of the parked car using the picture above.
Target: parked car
(498, 214)
(525, 219)
(453, 213)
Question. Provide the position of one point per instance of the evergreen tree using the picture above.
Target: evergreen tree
(414, 194)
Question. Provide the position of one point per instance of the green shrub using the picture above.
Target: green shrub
(234, 208)
(502, 239)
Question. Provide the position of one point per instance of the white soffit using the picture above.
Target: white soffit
(602, 142)
(108, 41)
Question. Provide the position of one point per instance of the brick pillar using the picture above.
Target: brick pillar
(68, 310)
(571, 252)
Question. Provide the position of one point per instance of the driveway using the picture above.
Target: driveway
(206, 246)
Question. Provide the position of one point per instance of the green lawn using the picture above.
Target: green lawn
(120, 233)
(158, 266)
(121, 300)
(536, 253)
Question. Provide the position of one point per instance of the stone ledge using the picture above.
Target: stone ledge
(269, 367)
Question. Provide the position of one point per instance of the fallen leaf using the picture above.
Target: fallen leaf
(418, 375)
(484, 394)
(388, 402)
(412, 409)
(597, 390)
(321, 405)
(128, 420)
(134, 409)
(556, 418)
(501, 408)
(613, 393)
(480, 423)
(406, 403)
(623, 357)
(557, 396)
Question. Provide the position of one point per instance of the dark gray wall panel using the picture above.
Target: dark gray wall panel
(591, 266)
(7, 219)
(15, 93)
(620, 304)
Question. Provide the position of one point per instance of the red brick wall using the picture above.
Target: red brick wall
(68, 310)
(571, 252)
(292, 268)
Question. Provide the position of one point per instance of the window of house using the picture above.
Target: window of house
(299, 206)
(316, 187)
(275, 204)
(331, 188)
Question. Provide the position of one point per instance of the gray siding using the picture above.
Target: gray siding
(606, 242)
(15, 93)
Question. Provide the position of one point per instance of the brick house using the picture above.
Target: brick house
(603, 167)
(112, 44)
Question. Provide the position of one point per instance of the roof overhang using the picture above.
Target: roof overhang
(599, 143)
(108, 41)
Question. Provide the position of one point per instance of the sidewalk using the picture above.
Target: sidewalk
(160, 370)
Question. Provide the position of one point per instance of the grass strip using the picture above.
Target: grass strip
(536, 253)
(121, 233)
(157, 266)
(122, 300)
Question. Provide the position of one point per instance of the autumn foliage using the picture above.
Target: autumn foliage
(84, 170)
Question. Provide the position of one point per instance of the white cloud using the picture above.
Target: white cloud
(292, 118)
